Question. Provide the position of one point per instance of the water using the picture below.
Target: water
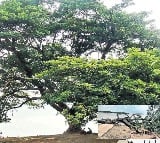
(140, 109)
(102, 115)
(32, 122)
(27, 122)
(130, 109)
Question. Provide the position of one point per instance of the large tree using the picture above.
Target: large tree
(23, 29)
(31, 35)
(133, 79)
(89, 26)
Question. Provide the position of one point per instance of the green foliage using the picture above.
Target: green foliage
(76, 119)
(20, 26)
(91, 26)
(130, 80)
(153, 116)
(4, 105)
(34, 40)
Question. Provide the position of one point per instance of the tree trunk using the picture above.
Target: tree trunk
(74, 129)
(106, 50)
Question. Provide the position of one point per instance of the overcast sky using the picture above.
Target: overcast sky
(142, 5)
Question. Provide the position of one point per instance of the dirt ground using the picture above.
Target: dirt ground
(111, 131)
(103, 128)
(64, 138)
(117, 132)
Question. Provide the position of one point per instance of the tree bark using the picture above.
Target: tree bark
(73, 129)
(106, 50)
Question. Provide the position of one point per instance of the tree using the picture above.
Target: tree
(92, 27)
(31, 35)
(153, 116)
(23, 28)
(4, 106)
(133, 79)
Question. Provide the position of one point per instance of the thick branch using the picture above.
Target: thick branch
(106, 50)
(59, 106)
(26, 101)
(21, 59)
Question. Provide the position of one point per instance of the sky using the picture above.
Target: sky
(26, 122)
(141, 5)
(142, 109)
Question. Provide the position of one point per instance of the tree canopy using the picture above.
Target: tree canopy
(133, 79)
(40, 50)
(92, 27)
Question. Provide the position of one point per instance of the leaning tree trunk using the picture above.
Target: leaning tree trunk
(73, 129)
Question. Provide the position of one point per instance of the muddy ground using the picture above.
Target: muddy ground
(111, 132)
(64, 138)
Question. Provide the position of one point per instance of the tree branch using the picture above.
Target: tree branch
(59, 106)
(28, 100)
